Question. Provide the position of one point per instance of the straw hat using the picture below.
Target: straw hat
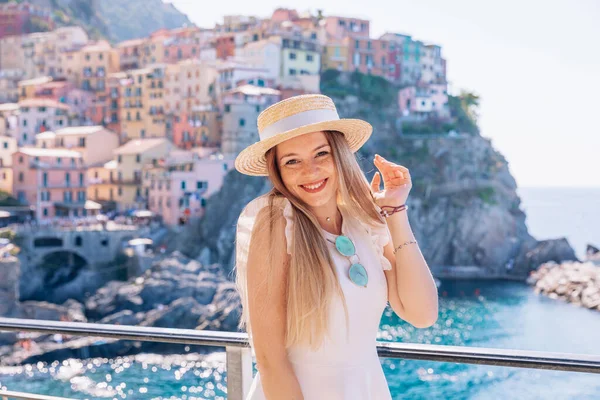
(293, 117)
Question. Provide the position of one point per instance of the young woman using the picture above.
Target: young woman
(315, 266)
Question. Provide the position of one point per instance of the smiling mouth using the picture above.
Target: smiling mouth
(315, 187)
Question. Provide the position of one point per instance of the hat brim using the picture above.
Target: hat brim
(252, 160)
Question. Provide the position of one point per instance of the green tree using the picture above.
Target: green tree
(465, 110)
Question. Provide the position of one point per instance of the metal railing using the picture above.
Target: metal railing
(239, 356)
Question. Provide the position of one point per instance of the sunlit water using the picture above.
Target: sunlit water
(472, 313)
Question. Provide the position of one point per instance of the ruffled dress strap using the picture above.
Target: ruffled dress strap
(247, 220)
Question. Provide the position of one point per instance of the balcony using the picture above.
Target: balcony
(238, 356)
(43, 165)
(136, 180)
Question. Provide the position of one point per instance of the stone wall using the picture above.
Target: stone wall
(9, 284)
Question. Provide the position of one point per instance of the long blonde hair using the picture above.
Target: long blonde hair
(311, 279)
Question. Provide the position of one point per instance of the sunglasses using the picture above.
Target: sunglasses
(357, 272)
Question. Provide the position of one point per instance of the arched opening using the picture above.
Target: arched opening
(62, 267)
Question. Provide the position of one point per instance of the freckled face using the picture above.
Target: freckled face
(307, 168)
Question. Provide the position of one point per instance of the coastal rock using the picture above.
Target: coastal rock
(176, 292)
(574, 282)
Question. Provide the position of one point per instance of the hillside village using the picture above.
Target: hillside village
(89, 126)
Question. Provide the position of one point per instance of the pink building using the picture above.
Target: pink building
(424, 101)
(369, 56)
(54, 90)
(182, 43)
(178, 188)
(53, 181)
(340, 27)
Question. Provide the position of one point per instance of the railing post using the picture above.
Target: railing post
(239, 372)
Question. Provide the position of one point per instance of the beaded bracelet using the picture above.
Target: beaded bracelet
(392, 210)
(404, 244)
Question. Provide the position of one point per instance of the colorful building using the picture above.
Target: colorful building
(103, 187)
(131, 158)
(424, 101)
(241, 107)
(179, 186)
(51, 180)
(143, 103)
(341, 27)
(201, 127)
(190, 83)
(40, 115)
(96, 144)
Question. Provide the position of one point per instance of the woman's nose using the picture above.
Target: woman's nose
(311, 167)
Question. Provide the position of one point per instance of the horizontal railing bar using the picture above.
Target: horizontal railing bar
(489, 356)
(441, 353)
(127, 332)
(6, 394)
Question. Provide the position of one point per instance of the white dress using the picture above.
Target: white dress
(339, 369)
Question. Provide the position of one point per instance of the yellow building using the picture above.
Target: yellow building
(143, 104)
(190, 83)
(97, 60)
(28, 87)
(101, 183)
(335, 56)
(131, 158)
(153, 51)
(8, 145)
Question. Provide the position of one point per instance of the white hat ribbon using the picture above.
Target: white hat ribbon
(297, 120)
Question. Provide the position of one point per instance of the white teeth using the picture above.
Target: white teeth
(312, 187)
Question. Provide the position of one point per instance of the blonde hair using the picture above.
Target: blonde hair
(311, 279)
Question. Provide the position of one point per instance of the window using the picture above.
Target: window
(201, 184)
(227, 108)
(120, 191)
(138, 158)
(182, 185)
(20, 177)
(119, 158)
(242, 122)
(309, 57)
(356, 44)
(81, 179)
(67, 179)
(292, 71)
(292, 56)
(24, 122)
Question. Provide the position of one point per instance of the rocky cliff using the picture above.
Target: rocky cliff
(464, 208)
(115, 20)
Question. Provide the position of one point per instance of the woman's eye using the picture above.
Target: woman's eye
(290, 162)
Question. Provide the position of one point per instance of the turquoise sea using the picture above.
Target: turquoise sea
(472, 313)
